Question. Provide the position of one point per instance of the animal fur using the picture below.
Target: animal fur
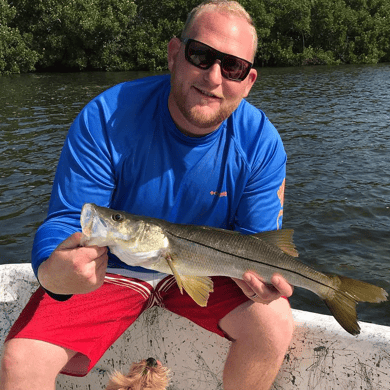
(147, 374)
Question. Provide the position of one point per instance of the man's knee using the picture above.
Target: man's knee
(284, 329)
(269, 327)
(13, 358)
(277, 327)
(24, 357)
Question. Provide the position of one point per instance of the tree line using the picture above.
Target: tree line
(114, 35)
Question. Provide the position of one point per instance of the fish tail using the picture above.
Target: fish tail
(346, 293)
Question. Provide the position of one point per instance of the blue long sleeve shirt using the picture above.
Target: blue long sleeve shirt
(124, 151)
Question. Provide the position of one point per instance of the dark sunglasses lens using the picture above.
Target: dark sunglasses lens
(200, 55)
(234, 68)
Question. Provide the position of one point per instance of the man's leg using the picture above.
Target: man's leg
(87, 323)
(32, 364)
(261, 335)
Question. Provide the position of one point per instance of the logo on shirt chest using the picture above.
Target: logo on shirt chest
(218, 194)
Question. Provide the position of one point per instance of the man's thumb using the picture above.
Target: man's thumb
(71, 242)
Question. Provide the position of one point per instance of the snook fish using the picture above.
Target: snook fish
(194, 253)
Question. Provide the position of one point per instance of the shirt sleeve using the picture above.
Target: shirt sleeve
(84, 174)
(261, 205)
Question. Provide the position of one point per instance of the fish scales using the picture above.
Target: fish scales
(232, 254)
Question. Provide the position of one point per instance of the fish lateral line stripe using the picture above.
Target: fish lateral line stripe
(260, 262)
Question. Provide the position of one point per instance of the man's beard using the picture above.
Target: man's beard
(196, 116)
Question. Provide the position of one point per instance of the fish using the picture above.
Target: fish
(193, 254)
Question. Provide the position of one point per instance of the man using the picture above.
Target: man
(186, 148)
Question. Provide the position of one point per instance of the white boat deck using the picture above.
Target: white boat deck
(322, 355)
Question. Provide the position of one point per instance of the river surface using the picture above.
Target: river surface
(335, 125)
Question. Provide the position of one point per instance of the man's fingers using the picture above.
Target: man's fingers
(257, 290)
(74, 241)
(101, 262)
(254, 287)
(244, 287)
(94, 271)
(100, 251)
(266, 293)
(281, 284)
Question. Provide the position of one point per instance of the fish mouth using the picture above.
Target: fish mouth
(92, 224)
(97, 229)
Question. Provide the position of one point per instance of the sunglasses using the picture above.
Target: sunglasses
(203, 56)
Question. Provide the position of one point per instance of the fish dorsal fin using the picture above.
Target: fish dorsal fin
(197, 287)
(283, 239)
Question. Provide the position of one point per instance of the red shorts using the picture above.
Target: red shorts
(90, 323)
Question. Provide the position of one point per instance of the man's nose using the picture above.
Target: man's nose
(213, 74)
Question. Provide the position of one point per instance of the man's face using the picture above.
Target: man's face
(201, 99)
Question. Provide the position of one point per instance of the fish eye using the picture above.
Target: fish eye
(117, 217)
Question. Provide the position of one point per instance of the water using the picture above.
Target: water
(334, 122)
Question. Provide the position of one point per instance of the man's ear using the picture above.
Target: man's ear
(250, 80)
(173, 51)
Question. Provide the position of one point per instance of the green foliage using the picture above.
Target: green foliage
(114, 35)
(156, 23)
(15, 53)
(291, 26)
(263, 21)
(355, 31)
(74, 34)
(308, 32)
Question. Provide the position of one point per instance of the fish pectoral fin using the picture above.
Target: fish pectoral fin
(198, 288)
(283, 239)
(177, 276)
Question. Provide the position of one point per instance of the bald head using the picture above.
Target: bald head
(228, 7)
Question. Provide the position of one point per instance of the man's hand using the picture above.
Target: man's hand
(254, 287)
(72, 269)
